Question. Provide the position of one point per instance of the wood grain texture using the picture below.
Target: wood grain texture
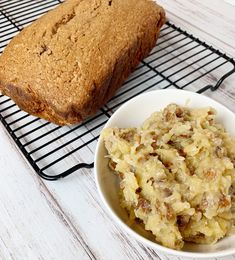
(212, 21)
(66, 219)
(32, 225)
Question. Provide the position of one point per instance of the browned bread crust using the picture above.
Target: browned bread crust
(69, 63)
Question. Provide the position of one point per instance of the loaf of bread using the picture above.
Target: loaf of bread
(69, 63)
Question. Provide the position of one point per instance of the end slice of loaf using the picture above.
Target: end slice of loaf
(69, 63)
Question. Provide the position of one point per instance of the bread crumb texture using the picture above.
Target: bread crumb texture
(69, 63)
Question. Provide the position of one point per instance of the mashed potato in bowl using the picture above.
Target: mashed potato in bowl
(176, 175)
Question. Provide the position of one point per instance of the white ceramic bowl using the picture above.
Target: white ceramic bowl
(132, 114)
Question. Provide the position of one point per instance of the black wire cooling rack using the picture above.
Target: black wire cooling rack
(178, 61)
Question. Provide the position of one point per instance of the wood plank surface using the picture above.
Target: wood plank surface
(66, 219)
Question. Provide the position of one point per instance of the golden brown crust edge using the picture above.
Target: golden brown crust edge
(123, 67)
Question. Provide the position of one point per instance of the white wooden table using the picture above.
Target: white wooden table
(66, 219)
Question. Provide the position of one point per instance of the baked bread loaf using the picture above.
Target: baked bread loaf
(69, 63)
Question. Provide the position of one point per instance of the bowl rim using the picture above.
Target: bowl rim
(156, 246)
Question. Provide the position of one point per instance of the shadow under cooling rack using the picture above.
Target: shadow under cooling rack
(178, 61)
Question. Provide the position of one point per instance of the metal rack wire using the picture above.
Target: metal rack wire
(178, 61)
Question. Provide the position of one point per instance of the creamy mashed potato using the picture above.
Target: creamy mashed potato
(177, 175)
